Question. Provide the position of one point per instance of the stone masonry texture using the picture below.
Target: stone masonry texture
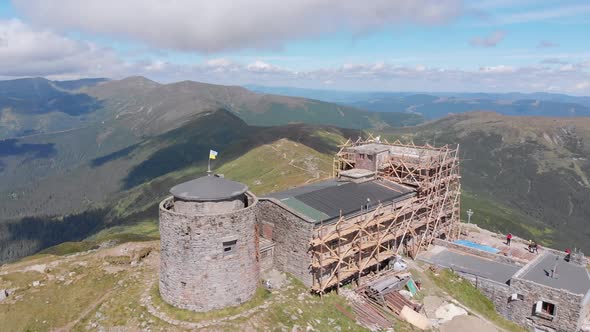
(568, 306)
(195, 273)
(292, 236)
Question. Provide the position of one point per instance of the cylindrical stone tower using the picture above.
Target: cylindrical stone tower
(209, 244)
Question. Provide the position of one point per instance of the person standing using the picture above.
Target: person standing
(508, 239)
(535, 247)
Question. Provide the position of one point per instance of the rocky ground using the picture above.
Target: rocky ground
(115, 289)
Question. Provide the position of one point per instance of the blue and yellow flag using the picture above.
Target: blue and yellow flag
(212, 154)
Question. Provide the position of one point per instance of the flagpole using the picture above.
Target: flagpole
(209, 165)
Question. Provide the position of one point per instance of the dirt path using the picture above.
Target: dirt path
(83, 314)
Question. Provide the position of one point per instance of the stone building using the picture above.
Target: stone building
(386, 199)
(209, 244)
(546, 294)
(550, 294)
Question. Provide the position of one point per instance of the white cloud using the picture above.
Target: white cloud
(544, 14)
(213, 26)
(488, 41)
(568, 67)
(497, 69)
(220, 62)
(546, 44)
(262, 67)
(25, 51)
(553, 61)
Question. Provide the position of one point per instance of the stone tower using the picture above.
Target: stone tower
(209, 255)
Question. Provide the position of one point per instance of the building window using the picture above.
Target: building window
(370, 156)
(229, 247)
(545, 309)
(516, 297)
(361, 156)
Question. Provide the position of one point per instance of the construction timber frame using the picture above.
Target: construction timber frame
(351, 247)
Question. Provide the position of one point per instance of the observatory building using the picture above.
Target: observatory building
(209, 254)
(385, 199)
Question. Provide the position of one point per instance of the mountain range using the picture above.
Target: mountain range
(434, 106)
(100, 175)
(40, 106)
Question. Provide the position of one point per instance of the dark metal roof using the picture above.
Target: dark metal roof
(305, 189)
(570, 276)
(351, 197)
(324, 201)
(208, 188)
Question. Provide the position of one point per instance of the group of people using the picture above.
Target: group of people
(532, 247)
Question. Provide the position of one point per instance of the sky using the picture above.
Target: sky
(378, 45)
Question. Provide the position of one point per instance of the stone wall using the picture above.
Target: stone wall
(266, 259)
(480, 253)
(497, 292)
(195, 271)
(568, 306)
(365, 161)
(585, 317)
(213, 207)
(291, 235)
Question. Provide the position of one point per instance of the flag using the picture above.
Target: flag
(212, 154)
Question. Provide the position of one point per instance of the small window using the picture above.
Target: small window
(516, 297)
(229, 246)
(361, 156)
(545, 309)
(370, 156)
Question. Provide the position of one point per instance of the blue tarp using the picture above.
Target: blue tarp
(477, 246)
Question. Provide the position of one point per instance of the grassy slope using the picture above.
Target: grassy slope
(278, 165)
(270, 167)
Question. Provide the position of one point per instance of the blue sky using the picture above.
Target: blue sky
(397, 45)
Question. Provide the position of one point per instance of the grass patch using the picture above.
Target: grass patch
(138, 232)
(20, 279)
(68, 248)
(464, 292)
(278, 165)
(499, 218)
(52, 305)
(146, 230)
(319, 313)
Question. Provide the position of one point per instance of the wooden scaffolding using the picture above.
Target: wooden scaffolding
(352, 246)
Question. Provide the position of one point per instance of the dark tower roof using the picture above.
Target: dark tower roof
(208, 188)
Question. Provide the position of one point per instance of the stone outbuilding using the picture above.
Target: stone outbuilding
(549, 293)
(209, 244)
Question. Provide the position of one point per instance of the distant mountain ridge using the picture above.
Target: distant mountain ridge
(437, 105)
(37, 105)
